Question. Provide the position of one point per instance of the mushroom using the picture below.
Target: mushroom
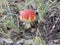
(28, 16)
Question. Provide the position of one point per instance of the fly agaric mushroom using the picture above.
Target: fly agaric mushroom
(27, 15)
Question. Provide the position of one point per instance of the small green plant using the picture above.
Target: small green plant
(8, 22)
(39, 41)
(7, 19)
(43, 8)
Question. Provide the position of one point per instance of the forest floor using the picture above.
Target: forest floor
(14, 32)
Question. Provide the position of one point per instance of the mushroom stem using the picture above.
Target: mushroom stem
(27, 25)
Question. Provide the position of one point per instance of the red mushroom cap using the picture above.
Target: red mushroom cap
(27, 15)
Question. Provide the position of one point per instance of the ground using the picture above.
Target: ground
(40, 32)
